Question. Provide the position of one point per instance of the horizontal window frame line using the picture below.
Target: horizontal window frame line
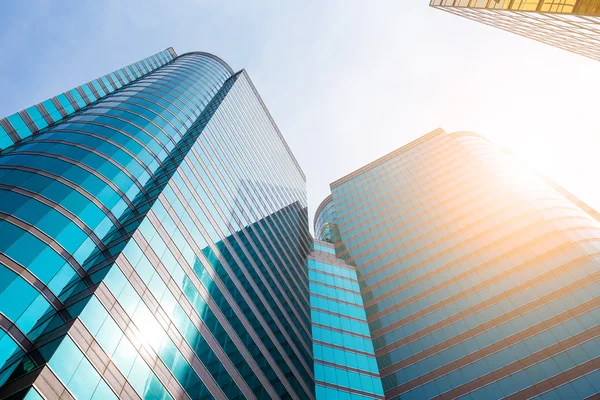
(333, 286)
(465, 208)
(548, 352)
(32, 280)
(478, 285)
(507, 341)
(331, 273)
(558, 380)
(86, 168)
(156, 113)
(106, 140)
(415, 229)
(340, 330)
(12, 330)
(72, 185)
(111, 161)
(347, 368)
(335, 261)
(499, 241)
(159, 107)
(150, 92)
(336, 300)
(62, 210)
(481, 306)
(335, 346)
(349, 390)
(47, 240)
(449, 300)
(336, 314)
(129, 136)
(173, 83)
(171, 154)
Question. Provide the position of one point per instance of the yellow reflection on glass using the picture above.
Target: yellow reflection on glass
(580, 7)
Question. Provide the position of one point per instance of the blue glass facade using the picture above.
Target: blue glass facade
(35, 119)
(153, 244)
(479, 277)
(345, 365)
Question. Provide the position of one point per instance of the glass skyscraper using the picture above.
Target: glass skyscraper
(572, 25)
(480, 279)
(153, 241)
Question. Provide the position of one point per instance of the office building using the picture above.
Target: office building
(153, 241)
(572, 25)
(480, 279)
(345, 364)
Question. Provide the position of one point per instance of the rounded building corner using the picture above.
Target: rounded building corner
(322, 206)
(460, 134)
(216, 58)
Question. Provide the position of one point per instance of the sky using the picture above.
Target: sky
(346, 81)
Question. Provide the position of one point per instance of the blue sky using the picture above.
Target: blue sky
(346, 81)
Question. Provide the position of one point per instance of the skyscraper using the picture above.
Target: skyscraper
(153, 241)
(480, 279)
(572, 25)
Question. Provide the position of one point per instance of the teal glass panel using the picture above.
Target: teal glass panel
(36, 117)
(52, 111)
(98, 88)
(348, 379)
(107, 83)
(78, 374)
(86, 89)
(17, 122)
(5, 140)
(66, 104)
(122, 352)
(326, 249)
